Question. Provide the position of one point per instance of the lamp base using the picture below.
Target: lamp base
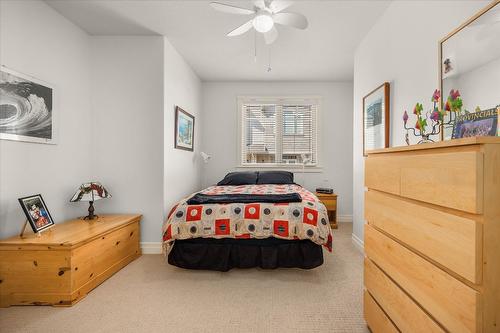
(91, 215)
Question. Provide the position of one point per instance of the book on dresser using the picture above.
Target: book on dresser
(432, 237)
(66, 262)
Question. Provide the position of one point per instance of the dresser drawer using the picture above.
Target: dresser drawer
(449, 301)
(383, 173)
(453, 180)
(396, 303)
(376, 319)
(451, 240)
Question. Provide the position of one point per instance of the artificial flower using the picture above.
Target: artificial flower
(435, 115)
(418, 109)
(436, 96)
(454, 94)
(405, 117)
(423, 124)
(417, 125)
(447, 106)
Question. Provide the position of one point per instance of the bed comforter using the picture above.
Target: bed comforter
(307, 219)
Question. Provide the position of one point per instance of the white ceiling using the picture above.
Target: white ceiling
(323, 52)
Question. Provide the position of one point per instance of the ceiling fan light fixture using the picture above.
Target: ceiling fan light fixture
(263, 22)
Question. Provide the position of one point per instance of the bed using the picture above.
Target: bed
(249, 219)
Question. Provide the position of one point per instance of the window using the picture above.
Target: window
(278, 132)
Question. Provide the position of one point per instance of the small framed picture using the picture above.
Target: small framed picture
(376, 111)
(36, 212)
(184, 130)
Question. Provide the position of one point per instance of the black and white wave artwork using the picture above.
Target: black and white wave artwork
(26, 108)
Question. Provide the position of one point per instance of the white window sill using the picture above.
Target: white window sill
(290, 168)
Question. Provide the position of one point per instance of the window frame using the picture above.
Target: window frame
(282, 100)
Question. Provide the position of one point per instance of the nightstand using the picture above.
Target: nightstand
(330, 202)
(67, 261)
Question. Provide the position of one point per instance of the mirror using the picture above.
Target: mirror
(470, 63)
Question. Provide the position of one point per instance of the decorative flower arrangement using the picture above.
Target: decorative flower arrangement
(436, 116)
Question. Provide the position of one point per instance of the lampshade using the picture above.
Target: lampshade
(92, 191)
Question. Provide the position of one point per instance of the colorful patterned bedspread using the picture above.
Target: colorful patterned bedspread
(298, 220)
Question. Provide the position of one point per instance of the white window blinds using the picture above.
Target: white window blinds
(281, 133)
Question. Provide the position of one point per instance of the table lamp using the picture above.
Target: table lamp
(90, 192)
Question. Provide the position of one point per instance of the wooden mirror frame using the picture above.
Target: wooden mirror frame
(440, 51)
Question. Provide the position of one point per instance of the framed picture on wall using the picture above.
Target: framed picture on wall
(184, 130)
(376, 110)
(27, 110)
(36, 212)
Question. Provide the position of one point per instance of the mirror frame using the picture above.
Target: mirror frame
(440, 51)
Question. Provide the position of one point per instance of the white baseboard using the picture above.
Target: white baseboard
(358, 243)
(344, 218)
(151, 247)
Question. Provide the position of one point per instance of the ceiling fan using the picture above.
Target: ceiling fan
(265, 14)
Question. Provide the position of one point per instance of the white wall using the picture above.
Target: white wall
(36, 40)
(116, 98)
(182, 88)
(479, 87)
(401, 48)
(127, 104)
(220, 137)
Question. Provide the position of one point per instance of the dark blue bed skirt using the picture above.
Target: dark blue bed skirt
(224, 254)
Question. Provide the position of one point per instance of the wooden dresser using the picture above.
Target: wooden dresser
(67, 261)
(432, 238)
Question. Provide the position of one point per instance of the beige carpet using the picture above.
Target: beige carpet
(151, 296)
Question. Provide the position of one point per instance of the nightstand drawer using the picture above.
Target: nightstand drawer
(329, 203)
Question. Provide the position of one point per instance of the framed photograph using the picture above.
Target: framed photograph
(376, 109)
(479, 123)
(27, 110)
(36, 212)
(184, 130)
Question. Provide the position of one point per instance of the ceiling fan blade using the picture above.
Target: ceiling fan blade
(241, 29)
(271, 36)
(279, 5)
(261, 4)
(231, 9)
(295, 20)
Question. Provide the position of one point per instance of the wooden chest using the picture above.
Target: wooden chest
(432, 238)
(67, 261)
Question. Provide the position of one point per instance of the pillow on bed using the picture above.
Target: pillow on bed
(239, 178)
(275, 177)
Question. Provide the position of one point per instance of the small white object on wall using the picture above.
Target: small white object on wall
(206, 157)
